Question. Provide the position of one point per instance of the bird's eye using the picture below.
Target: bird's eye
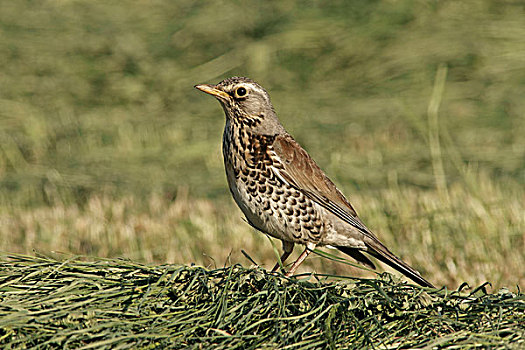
(241, 92)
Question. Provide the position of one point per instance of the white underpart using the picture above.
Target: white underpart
(278, 174)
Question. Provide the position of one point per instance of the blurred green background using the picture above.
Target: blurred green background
(107, 150)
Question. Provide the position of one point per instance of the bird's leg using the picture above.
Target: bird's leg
(309, 248)
(287, 250)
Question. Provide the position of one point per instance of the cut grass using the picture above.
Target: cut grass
(414, 108)
(121, 304)
(473, 235)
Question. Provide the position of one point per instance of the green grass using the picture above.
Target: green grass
(414, 108)
(467, 239)
(108, 304)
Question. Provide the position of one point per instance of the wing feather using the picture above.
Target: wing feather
(301, 172)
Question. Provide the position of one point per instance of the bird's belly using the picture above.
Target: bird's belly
(276, 208)
(256, 216)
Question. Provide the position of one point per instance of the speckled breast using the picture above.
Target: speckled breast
(269, 204)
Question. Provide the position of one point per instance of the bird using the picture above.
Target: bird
(281, 190)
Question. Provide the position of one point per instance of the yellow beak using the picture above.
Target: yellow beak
(212, 90)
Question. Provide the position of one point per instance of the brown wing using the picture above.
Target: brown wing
(301, 171)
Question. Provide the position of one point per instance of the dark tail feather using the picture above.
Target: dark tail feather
(358, 256)
(380, 252)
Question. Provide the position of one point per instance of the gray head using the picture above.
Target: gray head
(245, 102)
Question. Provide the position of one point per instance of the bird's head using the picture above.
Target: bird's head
(244, 101)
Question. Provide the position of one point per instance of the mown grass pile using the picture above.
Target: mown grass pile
(413, 108)
(121, 304)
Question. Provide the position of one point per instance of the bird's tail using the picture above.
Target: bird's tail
(381, 253)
